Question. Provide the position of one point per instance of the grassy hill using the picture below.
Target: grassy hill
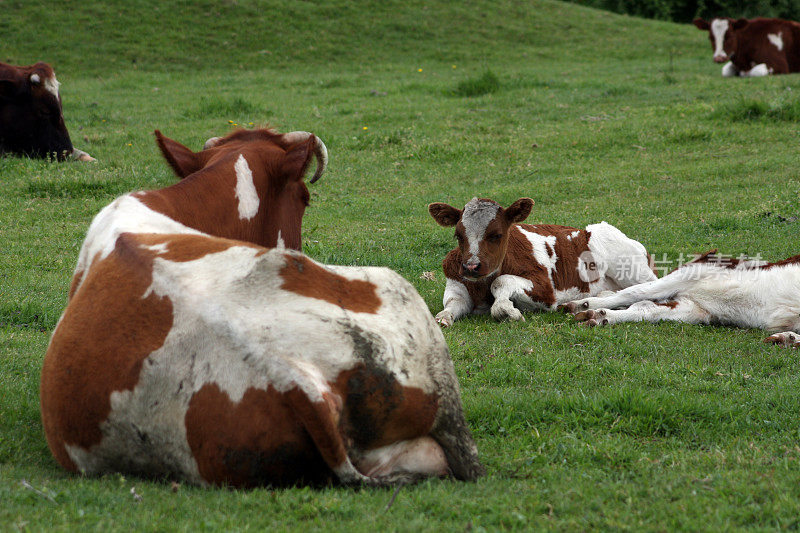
(594, 115)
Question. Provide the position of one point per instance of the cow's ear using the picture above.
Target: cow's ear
(444, 215)
(182, 160)
(297, 158)
(701, 24)
(519, 210)
(738, 24)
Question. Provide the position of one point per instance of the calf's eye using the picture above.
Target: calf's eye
(494, 237)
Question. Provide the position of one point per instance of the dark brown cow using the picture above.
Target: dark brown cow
(31, 121)
(754, 47)
(189, 350)
(504, 266)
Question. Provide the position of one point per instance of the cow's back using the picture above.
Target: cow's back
(775, 42)
(178, 353)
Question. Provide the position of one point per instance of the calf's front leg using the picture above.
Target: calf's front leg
(457, 303)
(507, 291)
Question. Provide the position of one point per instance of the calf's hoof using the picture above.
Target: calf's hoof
(507, 312)
(445, 319)
(568, 307)
(786, 338)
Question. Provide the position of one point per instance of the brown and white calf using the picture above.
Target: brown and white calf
(31, 120)
(506, 267)
(754, 47)
(710, 290)
(188, 349)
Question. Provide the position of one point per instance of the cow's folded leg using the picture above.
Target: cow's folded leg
(320, 420)
(729, 70)
(508, 290)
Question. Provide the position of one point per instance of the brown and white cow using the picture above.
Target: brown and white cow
(506, 267)
(31, 120)
(190, 350)
(710, 290)
(754, 47)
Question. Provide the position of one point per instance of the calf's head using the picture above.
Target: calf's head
(482, 230)
(724, 36)
(248, 185)
(31, 120)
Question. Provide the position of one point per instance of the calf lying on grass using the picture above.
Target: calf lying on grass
(710, 290)
(508, 267)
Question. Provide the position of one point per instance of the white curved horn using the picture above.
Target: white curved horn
(212, 142)
(320, 150)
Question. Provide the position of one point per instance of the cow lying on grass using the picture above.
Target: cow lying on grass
(755, 47)
(710, 290)
(190, 350)
(31, 121)
(506, 267)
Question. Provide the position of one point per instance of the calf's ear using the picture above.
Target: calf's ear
(182, 160)
(519, 210)
(444, 215)
(701, 24)
(738, 24)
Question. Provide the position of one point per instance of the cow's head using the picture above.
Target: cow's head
(482, 230)
(723, 34)
(256, 177)
(31, 121)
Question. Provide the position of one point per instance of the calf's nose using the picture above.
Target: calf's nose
(470, 267)
(720, 59)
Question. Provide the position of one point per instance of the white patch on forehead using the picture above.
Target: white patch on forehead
(776, 39)
(477, 215)
(718, 29)
(245, 190)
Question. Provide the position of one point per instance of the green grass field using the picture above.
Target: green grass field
(594, 115)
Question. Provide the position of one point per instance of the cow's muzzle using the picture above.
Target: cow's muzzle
(720, 59)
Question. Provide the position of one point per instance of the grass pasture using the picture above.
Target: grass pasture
(596, 116)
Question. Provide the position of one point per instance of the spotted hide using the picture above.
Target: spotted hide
(754, 47)
(31, 120)
(506, 267)
(710, 290)
(189, 350)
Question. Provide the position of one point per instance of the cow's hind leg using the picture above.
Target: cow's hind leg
(666, 288)
(787, 338)
(681, 310)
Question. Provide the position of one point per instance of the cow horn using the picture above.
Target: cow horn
(211, 143)
(320, 150)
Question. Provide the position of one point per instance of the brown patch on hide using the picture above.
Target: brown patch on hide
(257, 441)
(304, 277)
(106, 333)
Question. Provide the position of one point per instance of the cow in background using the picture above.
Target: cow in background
(712, 289)
(754, 47)
(505, 267)
(31, 120)
(198, 343)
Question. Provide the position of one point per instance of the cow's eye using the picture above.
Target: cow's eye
(494, 237)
